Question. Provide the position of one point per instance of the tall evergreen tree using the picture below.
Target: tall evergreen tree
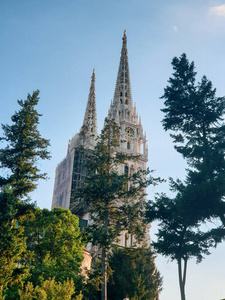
(195, 115)
(24, 147)
(115, 201)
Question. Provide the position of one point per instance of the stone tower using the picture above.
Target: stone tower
(125, 115)
(132, 137)
(71, 171)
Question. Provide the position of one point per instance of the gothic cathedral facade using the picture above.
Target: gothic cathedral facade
(70, 172)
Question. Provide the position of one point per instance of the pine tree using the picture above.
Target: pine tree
(24, 147)
(115, 201)
(195, 116)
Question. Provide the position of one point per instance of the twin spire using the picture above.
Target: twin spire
(122, 106)
(122, 96)
(90, 118)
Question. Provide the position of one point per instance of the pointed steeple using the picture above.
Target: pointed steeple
(89, 126)
(122, 102)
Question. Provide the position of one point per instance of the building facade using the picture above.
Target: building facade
(71, 171)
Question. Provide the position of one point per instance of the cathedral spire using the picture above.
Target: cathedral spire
(90, 120)
(122, 101)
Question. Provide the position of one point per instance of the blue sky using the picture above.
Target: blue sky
(53, 46)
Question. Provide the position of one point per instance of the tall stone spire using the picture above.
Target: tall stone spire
(122, 102)
(89, 126)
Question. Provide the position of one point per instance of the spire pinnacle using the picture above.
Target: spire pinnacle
(93, 79)
(122, 101)
(90, 119)
(124, 47)
(124, 36)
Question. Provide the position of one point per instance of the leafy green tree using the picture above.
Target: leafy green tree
(54, 238)
(12, 241)
(38, 247)
(24, 147)
(134, 274)
(115, 201)
(50, 290)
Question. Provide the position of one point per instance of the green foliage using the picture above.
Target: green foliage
(50, 290)
(195, 114)
(35, 244)
(25, 147)
(179, 237)
(134, 275)
(39, 246)
(112, 205)
(13, 250)
(54, 238)
(115, 200)
(2, 297)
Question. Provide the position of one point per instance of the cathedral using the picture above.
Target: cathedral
(70, 172)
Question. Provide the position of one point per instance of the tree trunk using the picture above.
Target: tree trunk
(104, 274)
(104, 256)
(182, 277)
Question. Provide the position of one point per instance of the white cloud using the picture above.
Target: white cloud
(218, 10)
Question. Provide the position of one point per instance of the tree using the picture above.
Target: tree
(50, 289)
(25, 147)
(179, 236)
(37, 247)
(134, 274)
(115, 201)
(54, 239)
(12, 242)
(195, 115)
